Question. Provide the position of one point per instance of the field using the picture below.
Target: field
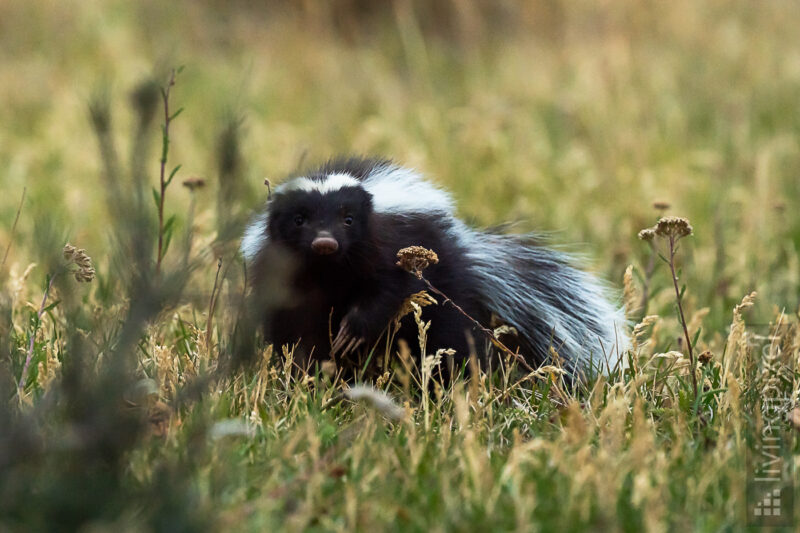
(142, 399)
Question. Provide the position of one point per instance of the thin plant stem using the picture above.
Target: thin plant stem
(680, 312)
(486, 331)
(212, 304)
(190, 227)
(13, 228)
(491, 336)
(29, 355)
(163, 170)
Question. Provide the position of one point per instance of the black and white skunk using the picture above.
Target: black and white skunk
(329, 239)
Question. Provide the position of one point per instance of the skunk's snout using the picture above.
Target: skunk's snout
(324, 244)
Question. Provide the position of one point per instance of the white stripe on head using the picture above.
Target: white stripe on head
(331, 183)
(400, 190)
(255, 234)
(394, 190)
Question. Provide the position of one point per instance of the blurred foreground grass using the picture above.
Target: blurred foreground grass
(571, 117)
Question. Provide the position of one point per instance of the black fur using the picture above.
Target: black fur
(360, 284)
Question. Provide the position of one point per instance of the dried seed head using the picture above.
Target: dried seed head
(630, 296)
(194, 183)
(421, 298)
(415, 259)
(548, 371)
(79, 258)
(640, 329)
(382, 380)
(505, 330)
(69, 251)
(647, 234)
(705, 357)
(673, 227)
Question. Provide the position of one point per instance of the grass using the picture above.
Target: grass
(141, 411)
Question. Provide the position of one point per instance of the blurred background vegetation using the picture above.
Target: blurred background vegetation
(566, 116)
(570, 117)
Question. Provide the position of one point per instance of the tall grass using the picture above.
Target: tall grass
(149, 403)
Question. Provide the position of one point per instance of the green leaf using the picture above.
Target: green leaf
(167, 240)
(172, 175)
(156, 198)
(51, 306)
(169, 226)
(713, 392)
(175, 114)
(696, 336)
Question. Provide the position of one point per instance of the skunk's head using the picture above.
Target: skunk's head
(327, 212)
(322, 217)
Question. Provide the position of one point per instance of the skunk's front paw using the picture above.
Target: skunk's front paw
(352, 334)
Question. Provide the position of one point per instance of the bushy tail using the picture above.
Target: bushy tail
(548, 301)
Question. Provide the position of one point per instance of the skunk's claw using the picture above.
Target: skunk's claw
(352, 345)
(342, 338)
(345, 341)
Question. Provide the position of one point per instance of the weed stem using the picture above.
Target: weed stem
(212, 304)
(680, 313)
(13, 228)
(29, 356)
(163, 183)
(486, 331)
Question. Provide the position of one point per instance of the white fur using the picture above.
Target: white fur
(495, 260)
(534, 294)
(255, 237)
(331, 183)
(255, 234)
(394, 190)
(400, 190)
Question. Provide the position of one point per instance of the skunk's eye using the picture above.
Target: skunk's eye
(299, 220)
(348, 220)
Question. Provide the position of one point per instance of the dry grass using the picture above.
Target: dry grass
(592, 120)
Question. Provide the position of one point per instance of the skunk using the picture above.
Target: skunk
(327, 241)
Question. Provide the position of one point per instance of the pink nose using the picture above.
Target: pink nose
(324, 245)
